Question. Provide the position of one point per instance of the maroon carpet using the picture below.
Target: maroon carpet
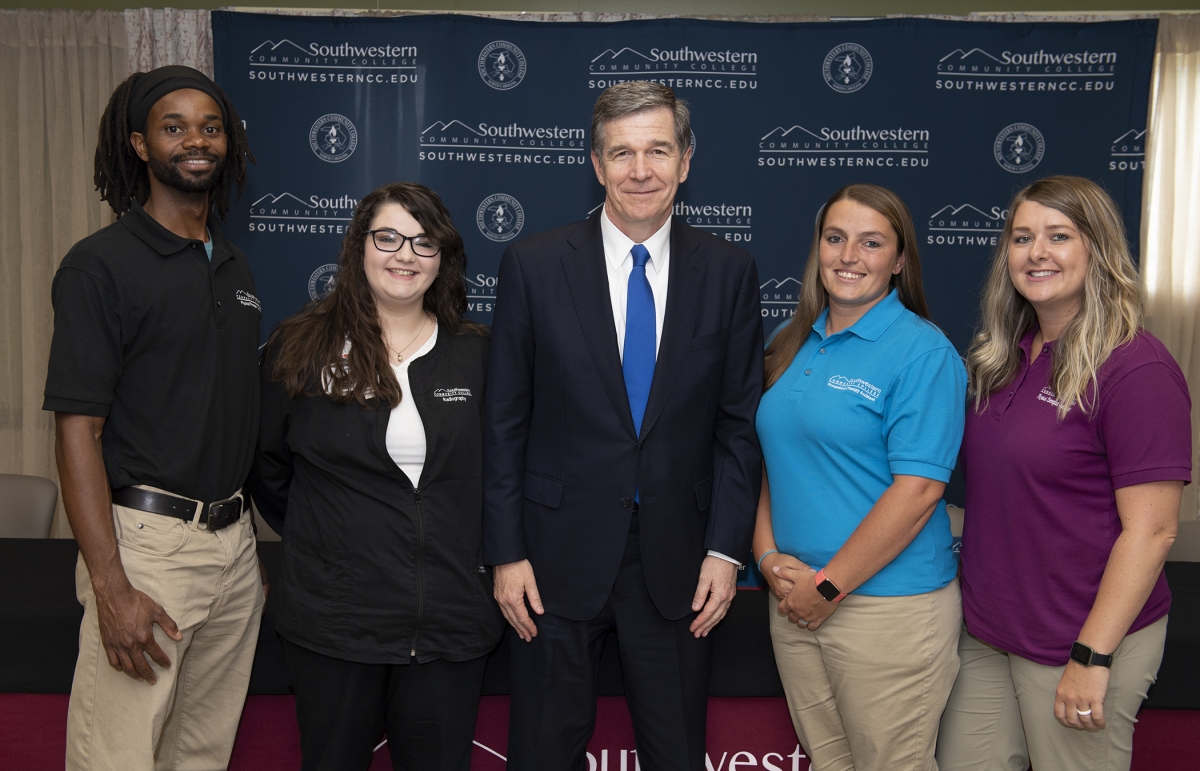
(742, 734)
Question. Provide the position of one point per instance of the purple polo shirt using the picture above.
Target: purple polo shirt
(1041, 514)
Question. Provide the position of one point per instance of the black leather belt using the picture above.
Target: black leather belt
(215, 515)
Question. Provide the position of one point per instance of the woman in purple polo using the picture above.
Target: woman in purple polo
(1077, 447)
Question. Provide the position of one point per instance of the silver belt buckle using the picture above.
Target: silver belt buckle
(222, 514)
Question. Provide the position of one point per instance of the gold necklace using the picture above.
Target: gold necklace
(400, 353)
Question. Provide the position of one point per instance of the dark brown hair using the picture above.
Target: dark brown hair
(813, 297)
(122, 177)
(305, 351)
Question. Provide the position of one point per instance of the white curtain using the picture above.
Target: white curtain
(58, 69)
(1171, 214)
(158, 37)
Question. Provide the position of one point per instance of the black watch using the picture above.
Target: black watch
(1087, 656)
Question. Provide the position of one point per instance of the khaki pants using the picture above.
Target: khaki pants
(866, 690)
(208, 582)
(1000, 716)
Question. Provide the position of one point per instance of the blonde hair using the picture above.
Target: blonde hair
(813, 297)
(1110, 312)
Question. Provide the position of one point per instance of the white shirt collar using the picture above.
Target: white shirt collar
(617, 244)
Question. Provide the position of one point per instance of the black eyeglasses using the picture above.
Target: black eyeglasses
(387, 240)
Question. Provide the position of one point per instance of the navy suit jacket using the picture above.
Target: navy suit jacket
(561, 459)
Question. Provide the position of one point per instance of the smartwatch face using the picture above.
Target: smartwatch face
(1081, 653)
(828, 590)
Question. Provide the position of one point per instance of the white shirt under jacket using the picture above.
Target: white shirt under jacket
(619, 261)
(406, 431)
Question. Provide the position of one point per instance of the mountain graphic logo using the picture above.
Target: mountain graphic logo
(977, 54)
(451, 127)
(626, 54)
(965, 216)
(271, 46)
(1132, 142)
(780, 291)
(779, 132)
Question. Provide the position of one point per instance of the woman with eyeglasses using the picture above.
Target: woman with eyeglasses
(369, 463)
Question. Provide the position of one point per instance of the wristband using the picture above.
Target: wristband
(826, 588)
(764, 554)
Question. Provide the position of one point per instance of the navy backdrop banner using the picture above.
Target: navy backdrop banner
(495, 116)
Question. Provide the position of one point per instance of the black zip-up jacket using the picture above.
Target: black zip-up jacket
(373, 570)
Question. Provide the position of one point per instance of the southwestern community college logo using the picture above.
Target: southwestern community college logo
(1019, 148)
(501, 65)
(500, 217)
(847, 68)
(333, 138)
(322, 281)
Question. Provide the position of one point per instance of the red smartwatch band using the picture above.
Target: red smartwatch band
(819, 579)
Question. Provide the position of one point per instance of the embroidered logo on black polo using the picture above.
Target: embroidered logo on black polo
(452, 394)
(249, 300)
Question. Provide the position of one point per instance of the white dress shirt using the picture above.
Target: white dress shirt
(619, 261)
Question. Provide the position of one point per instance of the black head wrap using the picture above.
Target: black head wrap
(156, 84)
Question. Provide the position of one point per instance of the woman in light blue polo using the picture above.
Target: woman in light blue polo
(860, 427)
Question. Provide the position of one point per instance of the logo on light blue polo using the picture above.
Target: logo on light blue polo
(1019, 148)
(847, 68)
(857, 385)
(501, 65)
(333, 138)
(500, 217)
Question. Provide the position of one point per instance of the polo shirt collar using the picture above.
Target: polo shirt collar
(873, 323)
(1026, 343)
(167, 243)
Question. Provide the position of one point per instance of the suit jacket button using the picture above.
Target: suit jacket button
(626, 502)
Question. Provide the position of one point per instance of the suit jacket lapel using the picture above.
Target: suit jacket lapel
(587, 278)
(687, 270)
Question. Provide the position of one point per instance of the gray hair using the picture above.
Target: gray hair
(634, 96)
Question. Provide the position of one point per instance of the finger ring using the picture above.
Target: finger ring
(1084, 713)
(803, 622)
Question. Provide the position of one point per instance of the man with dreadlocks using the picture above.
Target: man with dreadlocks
(154, 386)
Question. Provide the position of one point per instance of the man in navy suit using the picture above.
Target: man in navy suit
(621, 466)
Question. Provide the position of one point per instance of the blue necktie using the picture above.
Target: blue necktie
(638, 361)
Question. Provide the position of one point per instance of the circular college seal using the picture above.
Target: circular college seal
(333, 138)
(847, 68)
(1019, 148)
(322, 281)
(501, 65)
(500, 217)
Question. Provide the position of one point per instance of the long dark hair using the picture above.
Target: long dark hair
(813, 297)
(122, 177)
(305, 350)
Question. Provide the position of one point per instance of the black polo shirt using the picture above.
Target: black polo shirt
(164, 344)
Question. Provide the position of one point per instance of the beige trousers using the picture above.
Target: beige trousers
(1000, 716)
(866, 690)
(208, 582)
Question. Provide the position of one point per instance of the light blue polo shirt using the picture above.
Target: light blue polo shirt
(885, 396)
